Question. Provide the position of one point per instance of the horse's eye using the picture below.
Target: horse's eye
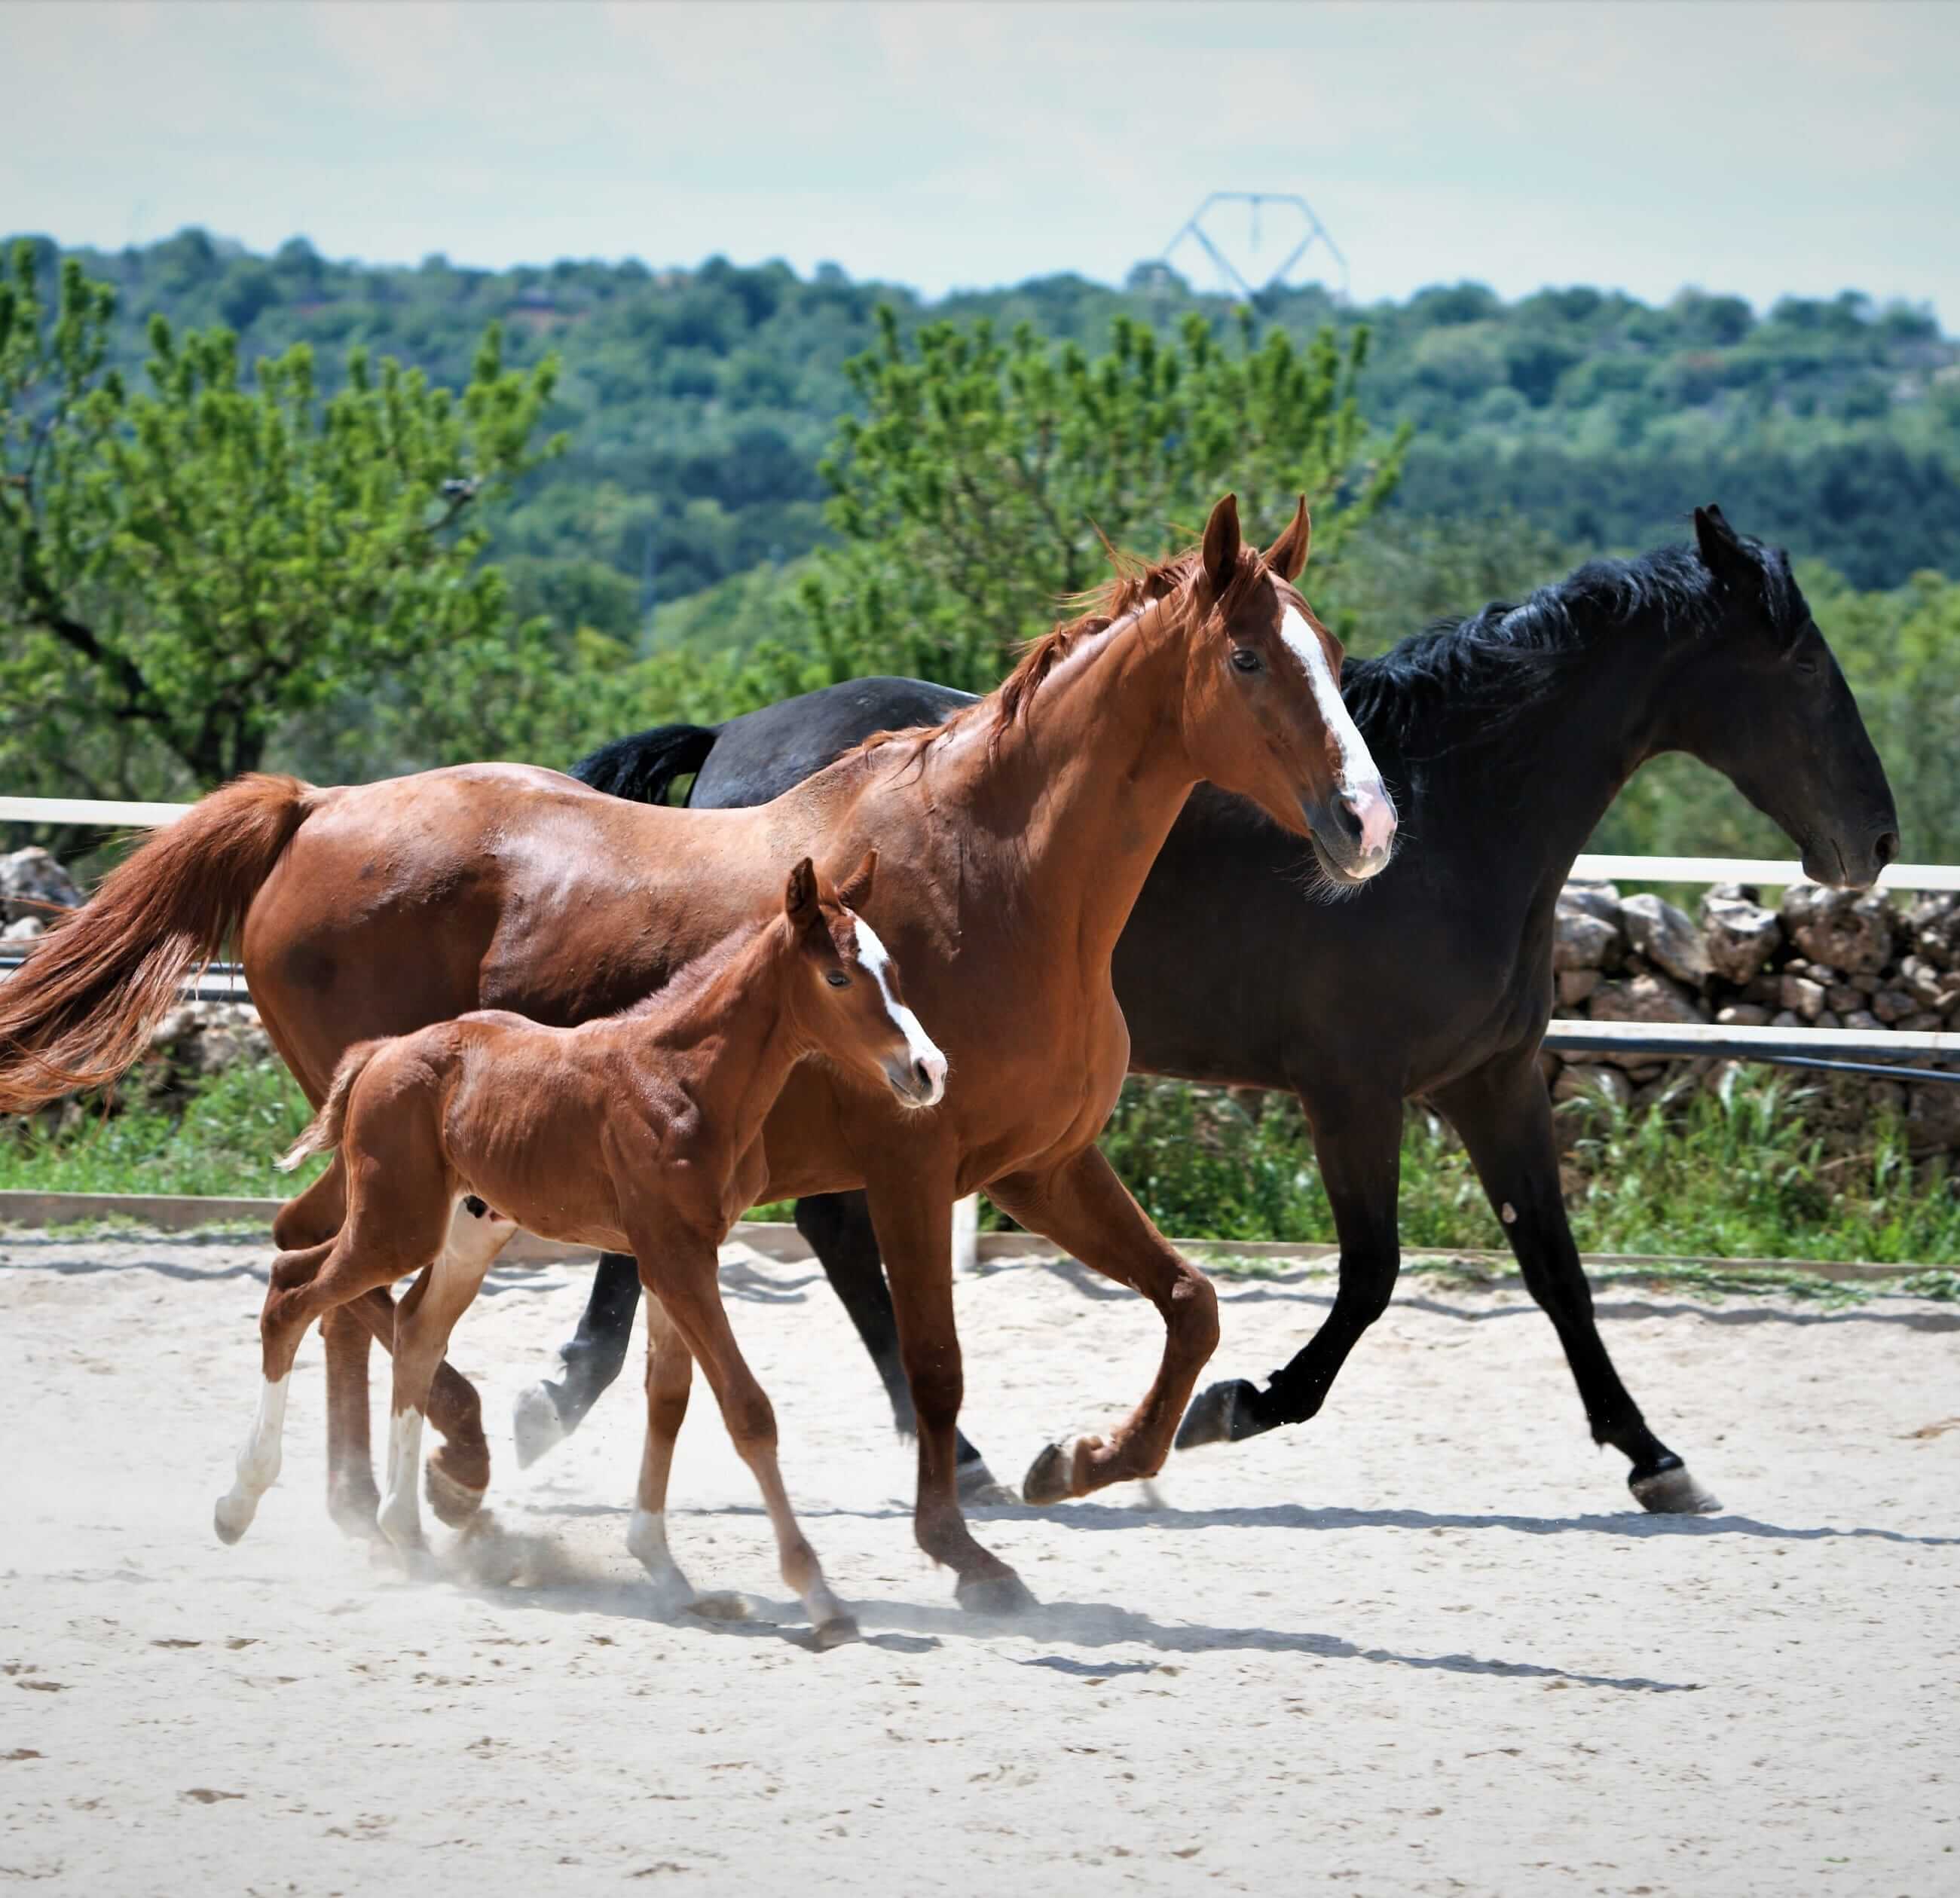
(1246, 659)
(837, 978)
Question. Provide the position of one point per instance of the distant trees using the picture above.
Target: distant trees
(982, 478)
(185, 565)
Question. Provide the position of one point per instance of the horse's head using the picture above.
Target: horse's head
(1263, 715)
(844, 994)
(1766, 706)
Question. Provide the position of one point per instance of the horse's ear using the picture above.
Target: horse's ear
(1221, 545)
(799, 900)
(855, 890)
(1722, 553)
(1287, 555)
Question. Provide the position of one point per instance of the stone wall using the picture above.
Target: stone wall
(1821, 959)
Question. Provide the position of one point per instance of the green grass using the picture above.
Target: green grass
(222, 1143)
(1735, 1175)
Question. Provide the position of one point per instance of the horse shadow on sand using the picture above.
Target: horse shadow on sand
(524, 1572)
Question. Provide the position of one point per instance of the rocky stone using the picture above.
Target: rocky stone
(1741, 936)
(1827, 1019)
(1786, 1017)
(1589, 1083)
(1743, 1015)
(1602, 900)
(1843, 997)
(206, 1038)
(1932, 927)
(25, 930)
(1926, 1022)
(1891, 1006)
(1645, 998)
(1931, 987)
(1572, 986)
(1849, 930)
(1666, 937)
(32, 884)
(1802, 996)
(1864, 1020)
(1580, 939)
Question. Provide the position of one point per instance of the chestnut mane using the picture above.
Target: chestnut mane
(1134, 583)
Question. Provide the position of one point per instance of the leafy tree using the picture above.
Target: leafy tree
(185, 567)
(987, 477)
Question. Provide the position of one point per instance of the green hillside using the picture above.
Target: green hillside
(698, 402)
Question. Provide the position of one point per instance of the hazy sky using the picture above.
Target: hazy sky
(1757, 147)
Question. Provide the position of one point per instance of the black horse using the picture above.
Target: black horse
(1505, 737)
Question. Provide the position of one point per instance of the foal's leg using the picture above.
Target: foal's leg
(1086, 1209)
(546, 1413)
(670, 1374)
(838, 1228)
(258, 1467)
(1358, 1142)
(423, 1321)
(1504, 1115)
(458, 1474)
(686, 1282)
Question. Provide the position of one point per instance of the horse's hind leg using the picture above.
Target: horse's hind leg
(423, 1321)
(1084, 1208)
(258, 1466)
(1504, 1115)
(669, 1373)
(686, 1282)
(546, 1413)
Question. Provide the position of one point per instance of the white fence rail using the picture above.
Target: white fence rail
(1594, 867)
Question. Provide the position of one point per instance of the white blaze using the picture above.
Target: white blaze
(872, 954)
(1361, 783)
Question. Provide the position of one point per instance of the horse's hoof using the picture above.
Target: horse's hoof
(454, 1503)
(536, 1424)
(839, 1631)
(1673, 1493)
(354, 1513)
(1220, 1413)
(488, 1555)
(979, 1489)
(231, 1520)
(1051, 1477)
(1003, 1594)
(725, 1604)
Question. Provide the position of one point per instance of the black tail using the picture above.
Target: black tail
(641, 768)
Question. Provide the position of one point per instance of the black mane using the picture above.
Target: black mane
(1464, 679)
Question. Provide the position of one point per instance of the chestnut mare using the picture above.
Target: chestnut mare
(639, 1131)
(1014, 839)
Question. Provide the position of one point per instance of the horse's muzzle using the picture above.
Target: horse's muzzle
(1354, 831)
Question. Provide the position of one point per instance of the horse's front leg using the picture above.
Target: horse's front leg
(1358, 1140)
(838, 1228)
(1504, 1115)
(1083, 1207)
(912, 1212)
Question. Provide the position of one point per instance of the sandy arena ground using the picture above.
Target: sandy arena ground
(1421, 1645)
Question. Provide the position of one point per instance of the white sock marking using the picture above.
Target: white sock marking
(401, 1516)
(258, 1466)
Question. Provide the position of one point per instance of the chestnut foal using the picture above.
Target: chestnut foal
(640, 1132)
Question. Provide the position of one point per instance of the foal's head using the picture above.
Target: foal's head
(1263, 715)
(843, 997)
